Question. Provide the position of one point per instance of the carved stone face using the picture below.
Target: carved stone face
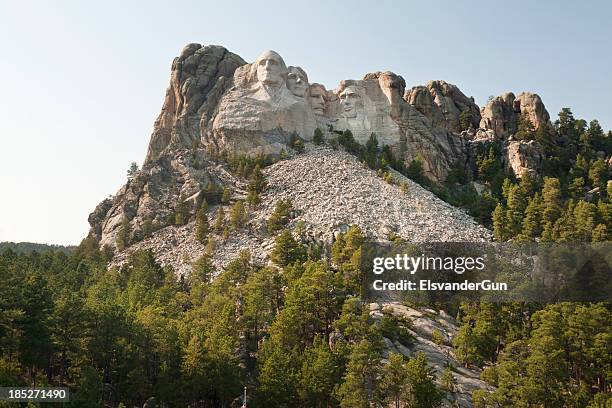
(349, 98)
(317, 99)
(297, 81)
(270, 68)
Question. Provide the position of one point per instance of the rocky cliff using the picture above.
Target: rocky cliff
(217, 105)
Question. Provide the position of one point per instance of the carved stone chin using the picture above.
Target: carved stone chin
(297, 81)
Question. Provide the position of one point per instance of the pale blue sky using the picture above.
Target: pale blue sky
(82, 82)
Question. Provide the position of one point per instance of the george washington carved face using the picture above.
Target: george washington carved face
(271, 68)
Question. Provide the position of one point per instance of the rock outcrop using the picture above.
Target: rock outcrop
(199, 76)
(217, 104)
(424, 323)
(443, 103)
(524, 157)
(502, 113)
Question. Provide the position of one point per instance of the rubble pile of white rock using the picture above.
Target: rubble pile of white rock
(330, 190)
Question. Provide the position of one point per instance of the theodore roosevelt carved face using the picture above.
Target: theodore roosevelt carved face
(297, 81)
(271, 69)
(349, 99)
(317, 98)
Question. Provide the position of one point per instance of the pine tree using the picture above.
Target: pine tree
(600, 234)
(202, 226)
(532, 223)
(422, 388)
(576, 188)
(219, 220)
(394, 381)
(584, 220)
(516, 204)
(318, 137)
(359, 387)
(371, 151)
(287, 250)
(598, 174)
(278, 378)
(551, 197)
(227, 194)
(203, 270)
(181, 212)
(280, 215)
(415, 170)
(319, 374)
(238, 215)
(526, 130)
(124, 236)
(465, 119)
(501, 229)
(257, 182)
(132, 171)
(253, 198)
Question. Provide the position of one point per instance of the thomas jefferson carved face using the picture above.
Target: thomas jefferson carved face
(270, 68)
(349, 98)
(297, 81)
(317, 98)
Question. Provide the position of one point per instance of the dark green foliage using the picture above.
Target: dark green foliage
(219, 220)
(415, 170)
(280, 216)
(347, 140)
(287, 250)
(318, 137)
(564, 351)
(238, 215)
(296, 143)
(132, 171)
(257, 183)
(526, 130)
(465, 119)
(27, 247)
(181, 212)
(202, 227)
(212, 194)
(124, 236)
(297, 333)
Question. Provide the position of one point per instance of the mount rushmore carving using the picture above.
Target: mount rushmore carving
(218, 103)
(217, 99)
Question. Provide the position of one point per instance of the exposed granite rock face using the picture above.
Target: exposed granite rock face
(524, 157)
(424, 323)
(502, 114)
(442, 103)
(438, 148)
(199, 76)
(531, 104)
(500, 120)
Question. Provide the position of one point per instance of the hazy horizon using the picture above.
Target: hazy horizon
(82, 84)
